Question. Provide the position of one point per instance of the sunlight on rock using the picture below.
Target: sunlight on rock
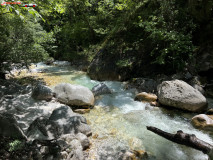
(117, 121)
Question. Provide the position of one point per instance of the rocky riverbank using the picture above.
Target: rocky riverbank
(35, 125)
(39, 111)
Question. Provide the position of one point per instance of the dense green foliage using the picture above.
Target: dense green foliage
(23, 39)
(15, 145)
(163, 30)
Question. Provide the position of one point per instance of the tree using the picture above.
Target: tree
(23, 38)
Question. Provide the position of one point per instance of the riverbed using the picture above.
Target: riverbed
(118, 122)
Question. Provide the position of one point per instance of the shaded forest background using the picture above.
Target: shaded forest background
(138, 37)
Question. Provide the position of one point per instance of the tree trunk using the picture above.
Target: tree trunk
(189, 140)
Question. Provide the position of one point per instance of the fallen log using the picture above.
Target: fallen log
(189, 140)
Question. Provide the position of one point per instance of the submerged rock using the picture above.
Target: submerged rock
(74, 95)
(202, 121)
(9, 126)
(41, 92)
(100, 89)
(180, 95)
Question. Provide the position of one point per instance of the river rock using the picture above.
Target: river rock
(49, 61)
(146, 97)
(43, 129)
(199, 88)
(210, 111)
(100, 89)
(62, 121)
(195, 82)
(84, 140)
(180, 95)
(74, 95)
(77, 151)
(82, 111)
(9, 126)
(202, 121)
(41, 92)
(70, 122)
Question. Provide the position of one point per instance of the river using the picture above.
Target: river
(119, 122)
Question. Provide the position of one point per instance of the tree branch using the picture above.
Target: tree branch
(180, 137)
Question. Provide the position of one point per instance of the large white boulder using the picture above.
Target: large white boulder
(74, 95)
(181, 95)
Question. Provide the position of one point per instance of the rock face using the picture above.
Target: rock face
(205, 58)
(103, 67)
(180, 95)
(64, 134)
(62, 121)
(9, 126)
(203, 121)
(143, 85)
(101, 89)
(41, 92)
(110, 64)
(74, 95)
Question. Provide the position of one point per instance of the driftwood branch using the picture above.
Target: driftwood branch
(189, 140)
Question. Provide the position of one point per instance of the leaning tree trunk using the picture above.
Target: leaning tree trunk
(189, 140)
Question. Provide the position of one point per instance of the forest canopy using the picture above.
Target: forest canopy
(167, 31)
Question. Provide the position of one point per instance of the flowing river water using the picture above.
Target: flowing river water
(119, 122)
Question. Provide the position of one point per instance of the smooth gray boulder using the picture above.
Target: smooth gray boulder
(74, 95)
(41, 92)
(9, 126)
(101, 89)
(181, 95)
